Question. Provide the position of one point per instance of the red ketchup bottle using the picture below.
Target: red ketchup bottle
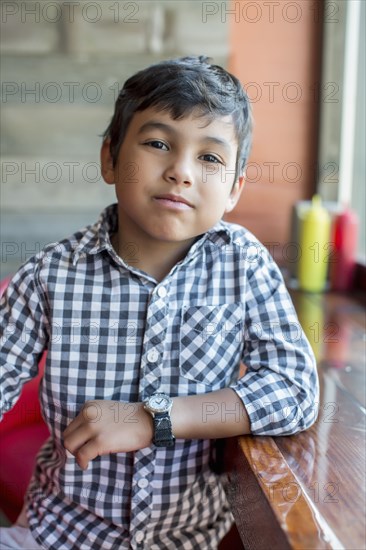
(343, 258)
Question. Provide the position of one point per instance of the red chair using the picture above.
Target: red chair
(22, 432)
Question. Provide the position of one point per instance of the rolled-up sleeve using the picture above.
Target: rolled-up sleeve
(280, 389)
(23, 334)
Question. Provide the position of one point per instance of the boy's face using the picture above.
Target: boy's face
(174, 178)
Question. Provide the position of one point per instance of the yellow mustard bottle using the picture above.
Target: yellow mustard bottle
(315, 247)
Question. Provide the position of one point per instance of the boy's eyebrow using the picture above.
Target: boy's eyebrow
(152, 125)
(155, 125)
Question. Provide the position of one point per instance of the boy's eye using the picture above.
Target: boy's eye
(211, 158)
(157, 144)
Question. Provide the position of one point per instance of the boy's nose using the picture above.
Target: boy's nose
(180, 172)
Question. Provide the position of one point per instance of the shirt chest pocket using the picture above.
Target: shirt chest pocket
(211, 341)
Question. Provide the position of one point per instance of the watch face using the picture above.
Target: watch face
(159, 402)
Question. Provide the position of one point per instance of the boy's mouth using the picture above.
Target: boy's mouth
(173, 201)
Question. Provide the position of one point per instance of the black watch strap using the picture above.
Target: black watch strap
(163, 430)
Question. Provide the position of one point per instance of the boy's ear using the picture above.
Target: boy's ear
(235, 194)
(107, 162)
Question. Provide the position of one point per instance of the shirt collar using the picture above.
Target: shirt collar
(219, 235)
(97, 237)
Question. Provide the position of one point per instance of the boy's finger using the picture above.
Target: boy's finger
(82, 462)
(86, 453)
(89, 414)
(73, 425)
(75, 439)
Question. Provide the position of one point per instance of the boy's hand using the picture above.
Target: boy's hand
(104, 427)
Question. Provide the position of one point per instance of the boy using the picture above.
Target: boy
(146, 316)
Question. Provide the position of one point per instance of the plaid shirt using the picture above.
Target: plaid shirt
(112, 332)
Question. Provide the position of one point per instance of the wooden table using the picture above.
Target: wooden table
(308, 491)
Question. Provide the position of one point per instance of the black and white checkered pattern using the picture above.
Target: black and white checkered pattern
(112, 332)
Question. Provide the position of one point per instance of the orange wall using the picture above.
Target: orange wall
(271, 53)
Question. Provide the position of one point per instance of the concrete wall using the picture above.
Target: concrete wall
(62, 66)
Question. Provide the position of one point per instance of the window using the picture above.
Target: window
(342, 173)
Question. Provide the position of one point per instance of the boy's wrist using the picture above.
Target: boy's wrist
(179, 416)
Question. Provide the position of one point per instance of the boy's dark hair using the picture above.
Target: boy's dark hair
(180, 86)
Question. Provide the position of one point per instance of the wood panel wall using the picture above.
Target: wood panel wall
(275, 50)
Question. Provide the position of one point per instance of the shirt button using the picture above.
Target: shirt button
(142, 483)
(162, 292)
(152, 356)
(139, 536)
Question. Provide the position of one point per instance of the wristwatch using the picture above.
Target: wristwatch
(159, 406)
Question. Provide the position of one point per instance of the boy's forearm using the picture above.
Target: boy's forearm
(209, 416)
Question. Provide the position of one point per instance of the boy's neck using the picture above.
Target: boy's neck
(154, 258)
